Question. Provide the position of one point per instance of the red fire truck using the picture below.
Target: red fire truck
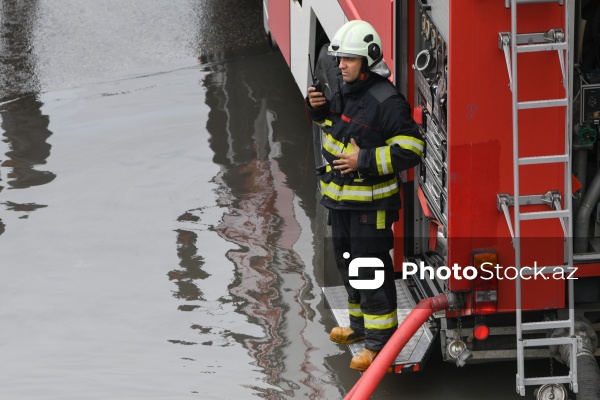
(502, 217)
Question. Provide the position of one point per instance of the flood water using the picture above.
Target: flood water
(160, 236)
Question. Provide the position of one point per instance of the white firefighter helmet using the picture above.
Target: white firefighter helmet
(359, 39)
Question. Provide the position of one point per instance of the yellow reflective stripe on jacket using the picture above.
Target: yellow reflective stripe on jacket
(347, 192)
(354, 310)
(334, 146)
(384, 160)
(331, 145)
(380, 219)
(358, 192)
(324, 123)
(385, 321)
(408, 142)
(385, 189)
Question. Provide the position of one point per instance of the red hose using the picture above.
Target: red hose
(367, 384)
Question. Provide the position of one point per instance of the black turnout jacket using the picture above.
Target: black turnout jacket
(378, 117)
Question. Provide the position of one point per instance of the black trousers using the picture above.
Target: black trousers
(367, 234)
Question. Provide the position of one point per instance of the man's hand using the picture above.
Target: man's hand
(348, 162)
(316, 99)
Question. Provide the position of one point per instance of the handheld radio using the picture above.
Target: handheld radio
(315, 83)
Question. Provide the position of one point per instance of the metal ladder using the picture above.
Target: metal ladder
(514, 43)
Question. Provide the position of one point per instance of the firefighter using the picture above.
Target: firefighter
(369, 137)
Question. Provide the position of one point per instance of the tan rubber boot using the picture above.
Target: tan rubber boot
(363, 360)
(344, 335)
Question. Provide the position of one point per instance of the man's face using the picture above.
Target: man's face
(350, 67)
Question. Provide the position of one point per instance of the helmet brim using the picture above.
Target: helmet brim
(342, 54)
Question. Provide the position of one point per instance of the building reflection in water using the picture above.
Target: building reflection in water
(262, 144)
(25, 127)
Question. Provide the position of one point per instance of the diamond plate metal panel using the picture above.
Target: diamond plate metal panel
(414, 351)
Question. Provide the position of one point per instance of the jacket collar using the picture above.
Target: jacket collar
(357, 87)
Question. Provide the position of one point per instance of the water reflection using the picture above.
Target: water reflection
(25, 126)
(261, 218)
(191, 266)
(26, 133)
(261, 143)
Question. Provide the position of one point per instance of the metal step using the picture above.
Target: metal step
(526, 105)
(534, 326)
(531, 48)
(415, 351)
(543, 215)
(546, 270)
(547, 380)
(560, 2)
(559, 158)
(547, 341)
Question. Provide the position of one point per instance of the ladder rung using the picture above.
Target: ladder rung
(546, 270)
(539, 1)
(534, 326)
(547, 380)
(543, 159)
(530, 48)
(547, 341)
(544, 215)
(524, 105)
(560, 2)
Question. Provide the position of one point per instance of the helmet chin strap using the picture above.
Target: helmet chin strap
(364, 70)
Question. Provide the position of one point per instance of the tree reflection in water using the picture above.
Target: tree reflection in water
(25, 127)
